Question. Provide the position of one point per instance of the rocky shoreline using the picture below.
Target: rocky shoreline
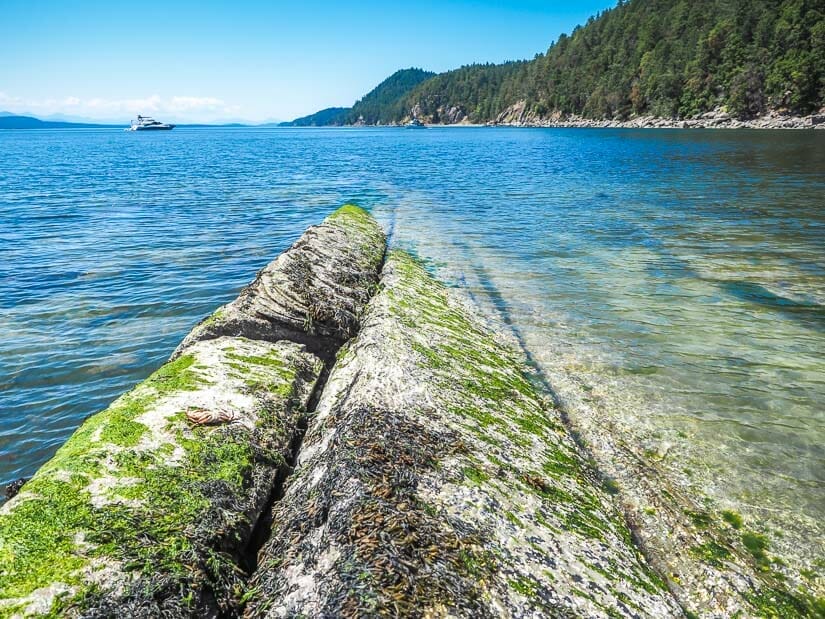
(711, 120)
(349, 438)
(517, 115)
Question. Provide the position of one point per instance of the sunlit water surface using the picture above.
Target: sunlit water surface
(672, 281)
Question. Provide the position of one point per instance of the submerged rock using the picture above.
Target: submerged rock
(435, 481)
(312, 293)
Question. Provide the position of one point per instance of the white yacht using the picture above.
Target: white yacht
(145, 123)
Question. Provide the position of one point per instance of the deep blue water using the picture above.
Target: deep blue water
(670, 281)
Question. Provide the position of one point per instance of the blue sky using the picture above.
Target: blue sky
(254, 60)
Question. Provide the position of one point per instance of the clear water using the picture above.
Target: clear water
(672, 281)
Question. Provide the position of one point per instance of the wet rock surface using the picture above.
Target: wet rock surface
(312, 293)
(435, 481)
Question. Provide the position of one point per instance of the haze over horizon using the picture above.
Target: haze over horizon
(213, 62)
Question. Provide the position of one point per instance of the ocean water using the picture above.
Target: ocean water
(668, 284)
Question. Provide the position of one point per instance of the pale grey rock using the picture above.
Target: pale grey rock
(434, 481)
(517, 115)
(312, 293)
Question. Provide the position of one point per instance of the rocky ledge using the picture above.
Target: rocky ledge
(155, 506)
(334, 445)
(517, 115)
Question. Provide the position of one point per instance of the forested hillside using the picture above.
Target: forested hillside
(665, 58)
(479, 91)
(326, 117)
(386, 102)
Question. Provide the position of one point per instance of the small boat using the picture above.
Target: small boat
(416, 124)
(145, 123)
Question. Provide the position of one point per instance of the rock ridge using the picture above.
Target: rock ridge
(312, 293)
(434, 480)
(350, 438)
(153, 506)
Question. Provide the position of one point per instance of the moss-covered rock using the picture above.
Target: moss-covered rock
(148, 507)
(312, 293)
(151, 506)
(434, 480)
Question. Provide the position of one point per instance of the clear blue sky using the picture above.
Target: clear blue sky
(255, 60)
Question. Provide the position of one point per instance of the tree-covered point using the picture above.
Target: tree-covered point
(659, 57)
(327, 117)
(681, 58)
(386, 102)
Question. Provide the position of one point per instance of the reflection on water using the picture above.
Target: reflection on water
(672, 281)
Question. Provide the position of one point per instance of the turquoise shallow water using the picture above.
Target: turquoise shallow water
(670, 281)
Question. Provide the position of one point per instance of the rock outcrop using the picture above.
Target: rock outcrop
(435, 481)
(333, 445)
(313, 293)
(518, 115)
(444, 115)
(150, 508)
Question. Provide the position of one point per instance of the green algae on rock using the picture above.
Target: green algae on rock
(150, 508)
(312, 293)
(143, 511)
(435, 481)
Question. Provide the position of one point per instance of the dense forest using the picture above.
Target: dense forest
(326, 117)
(386, 103)
(666, 58)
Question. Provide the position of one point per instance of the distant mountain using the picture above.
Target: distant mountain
(327, 117)
(69, 118)
(223, 125)
(17, 121)
(663, 58)
(29, 122)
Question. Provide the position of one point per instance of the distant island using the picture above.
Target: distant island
(727, 60)
(13, 121)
